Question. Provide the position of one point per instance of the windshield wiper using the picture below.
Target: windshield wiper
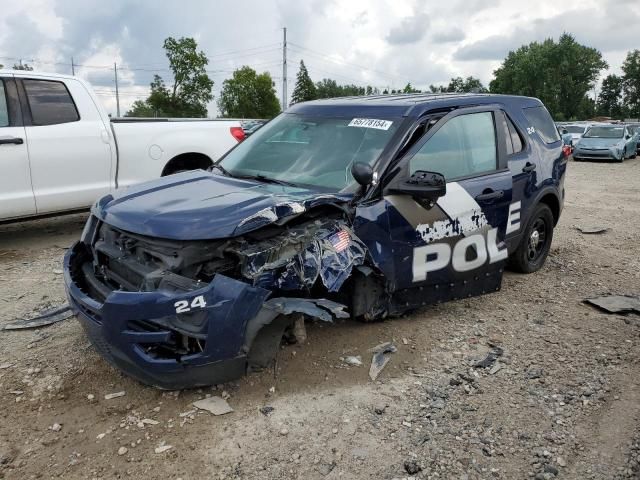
(264, 179)
(222, 169)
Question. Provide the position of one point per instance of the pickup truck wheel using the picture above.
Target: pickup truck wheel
(535, 243)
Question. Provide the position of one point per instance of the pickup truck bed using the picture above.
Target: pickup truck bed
(60, 150)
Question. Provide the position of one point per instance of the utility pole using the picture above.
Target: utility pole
(115, 71)
(284, 69)
(73, 67)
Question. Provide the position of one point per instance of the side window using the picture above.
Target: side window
(50, 102)
(516, 141)
(4, 110)
(464, 146)
(541, 121)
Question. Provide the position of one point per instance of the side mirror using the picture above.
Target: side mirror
(362, 173)
(628, 136)
(425, 185)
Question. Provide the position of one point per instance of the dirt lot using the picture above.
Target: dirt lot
(563, 400)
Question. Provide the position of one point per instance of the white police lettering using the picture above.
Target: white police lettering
(531, 130)
(371, 123)
(513, 219)
(436, 256)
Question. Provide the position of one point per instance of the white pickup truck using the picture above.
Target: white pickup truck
(59, 150)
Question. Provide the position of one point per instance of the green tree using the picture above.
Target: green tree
(328, 88)
(409, 89)
(305, 89)
(631, 83)
(248, 95)
(560, 74)
(191, 89)
(23, 66)
(610, 99)
(460, 85)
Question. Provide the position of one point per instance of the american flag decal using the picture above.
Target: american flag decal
(340, 240)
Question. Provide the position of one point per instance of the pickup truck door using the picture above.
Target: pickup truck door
(16, 193)
(453, 248)
(69, 145)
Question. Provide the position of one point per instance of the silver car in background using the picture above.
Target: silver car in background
(606, 142)
(576, 130)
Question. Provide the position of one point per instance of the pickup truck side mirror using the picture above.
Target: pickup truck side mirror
(627, 136)
(424, 185)
(362, 173)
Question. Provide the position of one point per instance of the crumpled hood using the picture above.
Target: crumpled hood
(586, 142)
(201, 205)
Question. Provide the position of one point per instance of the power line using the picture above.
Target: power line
(329, 58)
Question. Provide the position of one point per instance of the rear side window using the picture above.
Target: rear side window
(50, 102)
(4, 110)
(464, 146)
(540, 119)
(516, 141)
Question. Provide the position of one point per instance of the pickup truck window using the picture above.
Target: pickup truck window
(4, 111)
(50, 102)
(311, 150)
(464, 146)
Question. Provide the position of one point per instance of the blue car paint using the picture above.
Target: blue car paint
(207, 206)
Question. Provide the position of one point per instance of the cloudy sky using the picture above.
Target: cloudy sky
(385, 43)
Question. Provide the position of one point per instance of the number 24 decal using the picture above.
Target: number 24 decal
(531, 130)
(182, 306)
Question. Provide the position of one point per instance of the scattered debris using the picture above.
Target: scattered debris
(149, 421)
(495, 369)
(380, 409)
(44, 318)
(533, 373)
(215, 405)
(490, 359)
(355, 361)
(122, 450)
(56, 427)
(380, 358)
(4, 366)
(162, 448)
(412, 467)
(90, 397)
(325, 469)
(592, 230)
(284, 432)
(266, 410)
(616, 303)
(110, 396)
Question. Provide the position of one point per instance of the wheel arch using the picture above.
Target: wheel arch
(187, 161)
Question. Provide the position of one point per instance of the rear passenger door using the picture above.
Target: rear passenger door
(454, 248)
(16, 194)
(69, 146)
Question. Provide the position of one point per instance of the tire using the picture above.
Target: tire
(530, 257)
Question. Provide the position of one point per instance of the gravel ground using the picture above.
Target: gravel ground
(560, 397)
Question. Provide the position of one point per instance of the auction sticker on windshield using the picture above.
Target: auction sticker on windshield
(371, 123)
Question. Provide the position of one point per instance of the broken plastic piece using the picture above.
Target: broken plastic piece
(46, 317)
(380, 358)
(215, 405)
(591, 230)
(616, 303)
(490, 359)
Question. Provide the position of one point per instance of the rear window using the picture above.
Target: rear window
(50, 102)
(541, 121)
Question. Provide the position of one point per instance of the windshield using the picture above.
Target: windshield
(604, 132)
(310, 150)
(574, 129)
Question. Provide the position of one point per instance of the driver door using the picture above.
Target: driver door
(453, 246)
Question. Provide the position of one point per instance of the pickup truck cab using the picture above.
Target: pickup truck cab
(60, 151)
(365, 207)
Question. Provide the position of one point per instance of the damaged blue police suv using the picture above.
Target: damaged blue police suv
(362, 207)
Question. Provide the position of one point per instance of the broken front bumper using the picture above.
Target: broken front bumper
(126, 324)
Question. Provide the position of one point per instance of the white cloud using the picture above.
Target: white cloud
(383, 43)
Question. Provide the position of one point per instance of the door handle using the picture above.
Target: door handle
(490, 195)
(9, 140)
(529, 167)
